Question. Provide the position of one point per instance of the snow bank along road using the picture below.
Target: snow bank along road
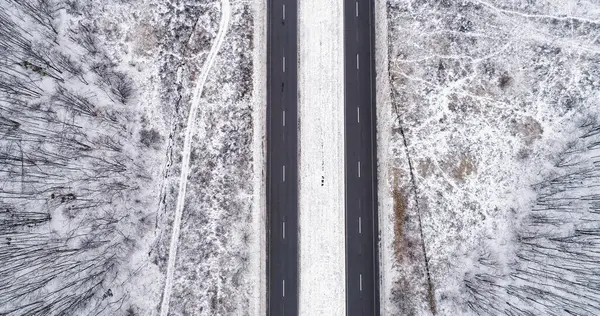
(282, 161)
(185, 164)
(362, 275)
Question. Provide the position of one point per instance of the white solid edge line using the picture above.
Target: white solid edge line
(284, 230)
(283, 118)
(284, 288)
(359, 169)
(283, 173)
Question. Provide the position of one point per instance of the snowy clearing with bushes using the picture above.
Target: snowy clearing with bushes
(492, 158)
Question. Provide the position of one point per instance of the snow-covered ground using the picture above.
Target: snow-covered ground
(486, 95)
(387, 273)
(217, 269)
(258, 260)
(187, 146)
(91, 148)
(321, 162)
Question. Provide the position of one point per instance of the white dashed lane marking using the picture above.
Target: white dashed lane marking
(360, 225)
(360, 282)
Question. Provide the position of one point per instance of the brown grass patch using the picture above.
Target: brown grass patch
(466, 167)
(409, 250)
(400, 204)
(431, 298)
(400, 197)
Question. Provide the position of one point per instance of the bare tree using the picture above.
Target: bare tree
(62, 158)
(556, 270)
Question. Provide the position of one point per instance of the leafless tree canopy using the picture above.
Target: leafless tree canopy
(556, 269)
(65, 178)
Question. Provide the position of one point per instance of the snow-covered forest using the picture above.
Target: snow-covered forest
(77, 175)
(494, 167)
(94, 104)
(554, 263)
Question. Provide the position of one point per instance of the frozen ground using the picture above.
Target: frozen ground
(487, 96)
(321, 193)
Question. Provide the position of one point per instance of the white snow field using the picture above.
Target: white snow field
(321, 161)
(185, 166)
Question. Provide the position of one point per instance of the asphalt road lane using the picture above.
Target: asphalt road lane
(282, 152)
(362, 280)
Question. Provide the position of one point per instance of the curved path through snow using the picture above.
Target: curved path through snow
(185, 164)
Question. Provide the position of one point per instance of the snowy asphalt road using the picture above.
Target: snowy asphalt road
(362, 286)
(282, 153)
(362, 275)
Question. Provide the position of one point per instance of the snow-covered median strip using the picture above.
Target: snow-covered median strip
(321, 166)
(185, 165)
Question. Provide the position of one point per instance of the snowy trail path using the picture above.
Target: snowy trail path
(185, 164)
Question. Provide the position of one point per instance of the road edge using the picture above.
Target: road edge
(384, 125)
(259, 219)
